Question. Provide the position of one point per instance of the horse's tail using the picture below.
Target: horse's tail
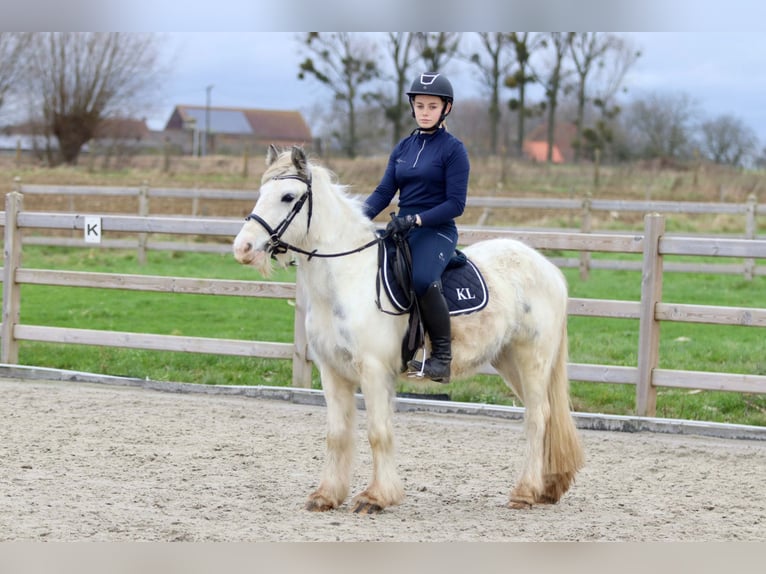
(563, 453)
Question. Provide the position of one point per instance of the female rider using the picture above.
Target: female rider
(429, 169)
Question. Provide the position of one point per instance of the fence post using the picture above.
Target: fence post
(585, 227)
(597, 168)
(649, 327)
(143, 211)
(166, 155)
(750, 233)
(302, 366)
(245, 161)
(9, 347)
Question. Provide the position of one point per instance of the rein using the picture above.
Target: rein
(277, 246)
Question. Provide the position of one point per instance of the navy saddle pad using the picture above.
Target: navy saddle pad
(462, 283)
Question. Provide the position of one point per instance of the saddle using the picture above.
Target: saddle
(463, 286)
(462, 283)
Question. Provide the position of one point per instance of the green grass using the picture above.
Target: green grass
(683, 346)
(596, 340)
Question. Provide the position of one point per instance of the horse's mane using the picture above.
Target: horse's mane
(322, 178)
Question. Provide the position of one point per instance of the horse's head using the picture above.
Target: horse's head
(282, 214)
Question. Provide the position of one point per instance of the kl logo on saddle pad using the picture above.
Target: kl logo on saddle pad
(464, 294)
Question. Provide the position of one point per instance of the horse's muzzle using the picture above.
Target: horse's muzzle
(245, 251)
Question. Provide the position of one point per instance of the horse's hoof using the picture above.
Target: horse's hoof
(363, 507)
(517, 504)
(319, 505)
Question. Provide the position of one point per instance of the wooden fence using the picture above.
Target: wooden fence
(652, 245)
(584, 208)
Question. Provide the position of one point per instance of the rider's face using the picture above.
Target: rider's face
(428, 110)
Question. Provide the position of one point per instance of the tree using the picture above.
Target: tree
(339, 68)
(12, 49)
(608, 82)
(400, 45)
(524, 45)
(662, 125)
(436, 49)
(727, 140)
(588, 50)
(493, 65)
(554, 81)
(759, 161)
(80, 78)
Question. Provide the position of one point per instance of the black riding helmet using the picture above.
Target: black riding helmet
(432, 84)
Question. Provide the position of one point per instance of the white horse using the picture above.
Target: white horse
(522, 332)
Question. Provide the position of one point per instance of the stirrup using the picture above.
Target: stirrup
(416, 368)
(419, 369)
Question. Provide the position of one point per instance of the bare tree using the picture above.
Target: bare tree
(727, 140)
(588, 50)
(470, 122)
(493, 65)
(436, 49)
(606, 84)
(339, 67)
(524, 45)
(82, 78)
(553, 82)
(12, 48)
(400, 47)
(662, 125)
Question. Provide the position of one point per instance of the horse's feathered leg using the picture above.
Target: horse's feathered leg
(563, 453)
(553, 450)
(534, 373)
(385, 488)
(341, 410)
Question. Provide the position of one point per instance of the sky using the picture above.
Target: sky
(711, 50)
(723, 72)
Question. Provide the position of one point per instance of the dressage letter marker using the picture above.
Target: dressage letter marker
(92, 230)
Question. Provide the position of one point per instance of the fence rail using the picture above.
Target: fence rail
(653, 244)
(585, 207)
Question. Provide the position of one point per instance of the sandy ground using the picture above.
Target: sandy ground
(90, 462)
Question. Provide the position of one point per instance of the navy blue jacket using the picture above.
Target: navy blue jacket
(430, 172)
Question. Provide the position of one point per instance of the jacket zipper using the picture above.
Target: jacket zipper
(417, 157)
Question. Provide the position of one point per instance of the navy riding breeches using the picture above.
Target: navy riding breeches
(431, 248)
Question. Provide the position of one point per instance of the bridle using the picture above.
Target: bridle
(276, 245)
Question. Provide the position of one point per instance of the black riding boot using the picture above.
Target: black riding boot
(436, 320)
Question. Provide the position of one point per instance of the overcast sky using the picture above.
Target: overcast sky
(713, 51)
(723, 72)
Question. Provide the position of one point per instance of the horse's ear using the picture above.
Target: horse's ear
(299, 160)
(271, 154)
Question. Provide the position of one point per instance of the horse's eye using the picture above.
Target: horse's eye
(288, 197)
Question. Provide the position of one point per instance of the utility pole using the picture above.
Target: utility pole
(207, 120)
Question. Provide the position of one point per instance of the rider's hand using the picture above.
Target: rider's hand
(400, 225)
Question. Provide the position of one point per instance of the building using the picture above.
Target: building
(535, 145)
(220, 130)
(115, 135)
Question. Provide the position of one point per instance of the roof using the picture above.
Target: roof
(278, 125)
(108, 128)
(564, 134)
(538, 151)
(121, 128)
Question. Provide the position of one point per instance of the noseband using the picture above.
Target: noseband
(276, 246)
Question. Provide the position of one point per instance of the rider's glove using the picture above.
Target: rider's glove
(400, 225)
